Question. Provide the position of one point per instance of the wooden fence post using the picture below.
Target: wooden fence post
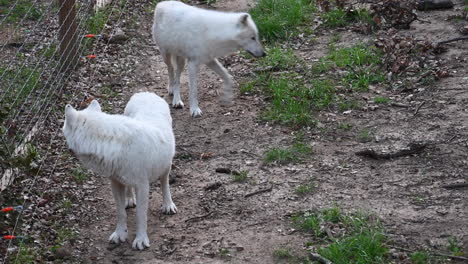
(67, 34)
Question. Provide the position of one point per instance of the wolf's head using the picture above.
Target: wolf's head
(72, 115)
(248, 36)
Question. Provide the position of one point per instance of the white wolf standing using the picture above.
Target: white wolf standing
(132, 150)
(200, 36)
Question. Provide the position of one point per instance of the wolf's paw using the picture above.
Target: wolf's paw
(196, 112)
(169, 208)
(118, 236)
(130, 202)
(141, 242)
(177, 103)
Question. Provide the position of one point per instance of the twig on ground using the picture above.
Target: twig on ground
(198, 218)
(432, 253)
(419, 107)
(456, 185)
(413, 149)
(259, 192)
(452, 40)
(399, 105)
(317, 257)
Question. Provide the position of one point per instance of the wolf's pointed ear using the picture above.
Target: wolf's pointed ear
(70, 114)
(243, 19)
(94, 106)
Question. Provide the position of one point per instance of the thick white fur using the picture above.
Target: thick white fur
(200, 36)
(132, 150)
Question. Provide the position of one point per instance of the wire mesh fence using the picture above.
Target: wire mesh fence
(42, 42)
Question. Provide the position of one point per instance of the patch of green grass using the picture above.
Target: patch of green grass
(79, 175)
(279, 19)
(25, 255)
(66, 204)
(293, 102)
(358, 238)
(296, 153)
(48, 52)
(240, 176)
(21, 9)
(348, 105)
(420, 257)
(363, 247)
(283, 253)
(358, 55)
(19, 83)
(279, 59)
(381, 100)
(454, 247)
(247, 87)
(305, 188)
(340, 17)
(361, 79)
(345, 126)
(364, 136)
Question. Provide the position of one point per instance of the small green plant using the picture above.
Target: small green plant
(79, 175)
(305, 188)
(240, 176)
(66, 204)
(279, 19)
(332, 215)
(454, 247)
(309, 222)
(282, 253)
(381, 100)
(296, 153)
(279, 59)
(345, 126)
(348, 105)
(367, 246)
(24, 256)
(420, 257)
(224, 252)
(247, 87)
(339, 17)
(364, 136)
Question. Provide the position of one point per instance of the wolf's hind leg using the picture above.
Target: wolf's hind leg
(168, 206)
(120, 234)
(180, 63)
(142, 194)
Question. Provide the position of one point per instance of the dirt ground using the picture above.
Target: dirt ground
(405, 193)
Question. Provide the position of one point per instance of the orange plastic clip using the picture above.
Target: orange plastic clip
(91, 56)
(92, 36)
(7, 209)
(8, 237)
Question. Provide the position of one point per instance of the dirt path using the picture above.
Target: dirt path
(217, 224)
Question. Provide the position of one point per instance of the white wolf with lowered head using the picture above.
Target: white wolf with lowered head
(200, 36)
(132, 150)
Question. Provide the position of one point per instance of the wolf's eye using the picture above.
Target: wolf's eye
(253, 38)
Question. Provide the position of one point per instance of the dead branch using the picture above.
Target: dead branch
(413, 148)
(198, 218)
(259, 192)
(456, 185)
(317, 257)
(453, 40)
(419, 107)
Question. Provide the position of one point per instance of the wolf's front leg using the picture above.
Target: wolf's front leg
(142, 192)
(168, 206)
(120, 233)
(228, 83)
(193, 93)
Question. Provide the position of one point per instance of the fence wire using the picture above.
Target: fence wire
(32, 79)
